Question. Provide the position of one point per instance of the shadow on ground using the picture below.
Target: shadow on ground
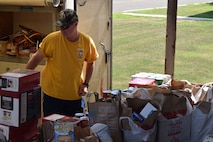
(208, 14)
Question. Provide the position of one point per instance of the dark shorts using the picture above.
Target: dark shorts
(65, 107)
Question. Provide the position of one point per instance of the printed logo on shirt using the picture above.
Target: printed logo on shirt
(80, 53)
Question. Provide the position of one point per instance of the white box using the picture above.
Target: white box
(147, 110)
(19, 80)
(19, 107)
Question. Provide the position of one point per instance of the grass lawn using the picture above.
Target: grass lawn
(139, 45)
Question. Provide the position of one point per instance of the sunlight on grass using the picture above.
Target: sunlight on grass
(139, 46)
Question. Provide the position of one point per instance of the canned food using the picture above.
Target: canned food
(78, 115)
(84, 121)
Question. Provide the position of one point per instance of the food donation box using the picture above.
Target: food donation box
(19, 107)
(19, 80)
(25, 133)
(20, 96)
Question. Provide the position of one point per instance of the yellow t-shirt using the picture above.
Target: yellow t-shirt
(62, 73)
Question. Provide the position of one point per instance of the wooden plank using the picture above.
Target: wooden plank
(171, 37)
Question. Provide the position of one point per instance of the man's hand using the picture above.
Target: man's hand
(83, 90)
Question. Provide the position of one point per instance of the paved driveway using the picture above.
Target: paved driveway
(123, 5)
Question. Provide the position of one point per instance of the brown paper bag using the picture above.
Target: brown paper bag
(175, 119)
(173, 106)
(106, 112)
(92, 138)
(81, 133)
(135, 130)
(133, 133)
(137, 105)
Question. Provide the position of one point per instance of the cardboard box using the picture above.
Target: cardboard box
(3, 46)
(24, 133)
(62, 122)
(19, 107)
(53, 117)
(19, 80)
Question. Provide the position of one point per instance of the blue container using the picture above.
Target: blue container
(65, 130)
(137, 117)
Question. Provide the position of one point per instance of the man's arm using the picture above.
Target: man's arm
(89, 71)
(35, 60)
(83, 90)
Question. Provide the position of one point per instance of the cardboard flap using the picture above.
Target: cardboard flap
(204, 107)
(173, 106)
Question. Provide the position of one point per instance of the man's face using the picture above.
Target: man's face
(69, 31)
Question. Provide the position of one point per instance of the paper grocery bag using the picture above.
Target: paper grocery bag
(81, 133)
(174, 130)
(106, 112)
(134, 133)
(137, 131)
(137, 104)
(204, 93)
(91, 138)
(174, 122)
(201, 124)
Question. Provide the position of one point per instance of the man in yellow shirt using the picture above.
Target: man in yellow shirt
(65, 51)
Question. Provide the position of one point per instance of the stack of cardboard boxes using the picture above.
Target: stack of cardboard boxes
(20, 104)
